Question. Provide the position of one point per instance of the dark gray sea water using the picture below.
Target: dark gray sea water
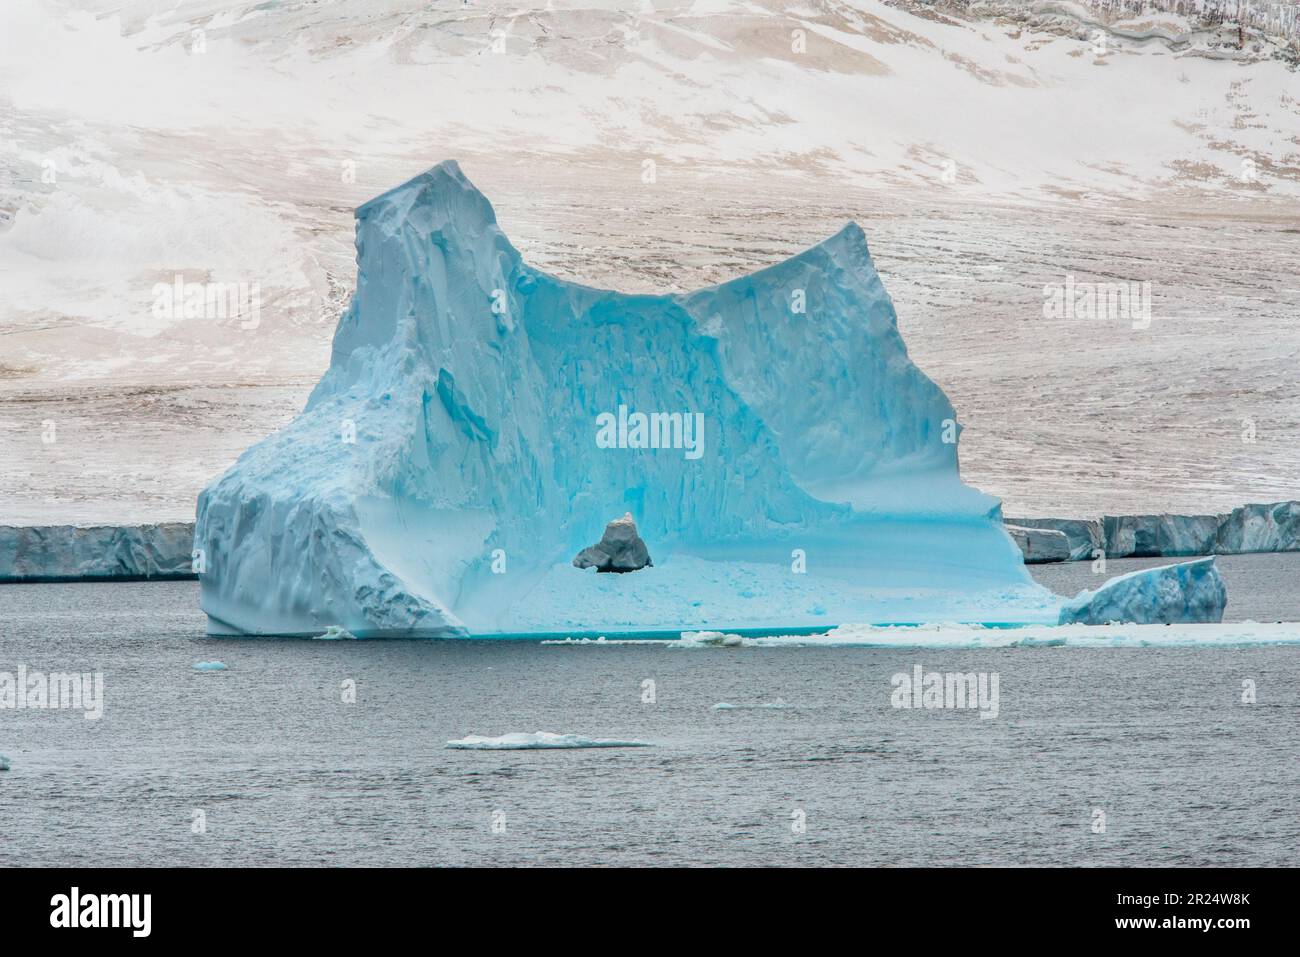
(279, 769)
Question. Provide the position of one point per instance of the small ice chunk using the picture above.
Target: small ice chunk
(523, 741)
(778, 705)
(4, 763)
(711, 639)
(336, 633)
(209, 666)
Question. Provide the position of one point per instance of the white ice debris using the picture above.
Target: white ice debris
(778, 705)
(537, 740)
(336, 633)
(209, 666)
(602, 640)
(713, 639)
(952, 635)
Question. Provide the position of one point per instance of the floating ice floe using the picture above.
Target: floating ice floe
(209, 666)
(1187, 593)
(956, 635)
(713, 639)
(4, 763)
(537, 740)
(965, 636)
(778, 705)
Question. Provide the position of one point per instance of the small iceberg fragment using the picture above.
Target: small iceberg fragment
(336, 633)
(4, 763)
(1187, 593)
(778, 705)
(209, 666)
(523, 741)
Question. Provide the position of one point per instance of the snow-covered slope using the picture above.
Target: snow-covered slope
(455, 456)
(990, 149)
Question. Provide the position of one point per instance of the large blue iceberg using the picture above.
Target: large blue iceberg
(482, 421)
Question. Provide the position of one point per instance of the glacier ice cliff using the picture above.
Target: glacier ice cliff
(95, 552)
(1271, 527)
(1040, 544)
(1260, 528)
(1143, 536)
(481, 420)
(1083, 536)
(1187, 593)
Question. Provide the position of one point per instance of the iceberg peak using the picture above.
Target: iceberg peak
(442, 181)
